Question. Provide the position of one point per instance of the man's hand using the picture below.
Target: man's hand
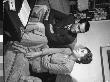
(51, 28)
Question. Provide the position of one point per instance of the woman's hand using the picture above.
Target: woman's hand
(33, 54)
(45, 59)
(30, 54)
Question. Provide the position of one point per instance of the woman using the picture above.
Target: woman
(57, 61)
(61, 60)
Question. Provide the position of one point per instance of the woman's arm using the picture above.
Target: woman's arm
(58, 68)
(33, 54)
(56, 50)
(49, 51)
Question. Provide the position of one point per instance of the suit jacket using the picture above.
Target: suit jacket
(60, 36)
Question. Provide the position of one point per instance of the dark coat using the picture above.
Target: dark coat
(60, 36)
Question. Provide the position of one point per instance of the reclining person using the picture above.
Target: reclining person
(61, 60)
(57, 61)
(65, 30)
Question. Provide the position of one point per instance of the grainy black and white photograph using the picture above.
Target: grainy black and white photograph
(56, 41)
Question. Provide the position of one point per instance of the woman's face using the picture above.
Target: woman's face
(80, 52)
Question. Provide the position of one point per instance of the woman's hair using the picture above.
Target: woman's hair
(87, 58)
(87, 24)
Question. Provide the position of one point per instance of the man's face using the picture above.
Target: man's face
(78, 28)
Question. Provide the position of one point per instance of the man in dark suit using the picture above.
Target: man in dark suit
(63, 31)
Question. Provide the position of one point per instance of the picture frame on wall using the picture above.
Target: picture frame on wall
(105, 62)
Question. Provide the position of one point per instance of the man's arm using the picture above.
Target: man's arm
(58, 68)
(52, 37)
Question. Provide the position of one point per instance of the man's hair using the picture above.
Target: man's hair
(87, 58)
(87, 24)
